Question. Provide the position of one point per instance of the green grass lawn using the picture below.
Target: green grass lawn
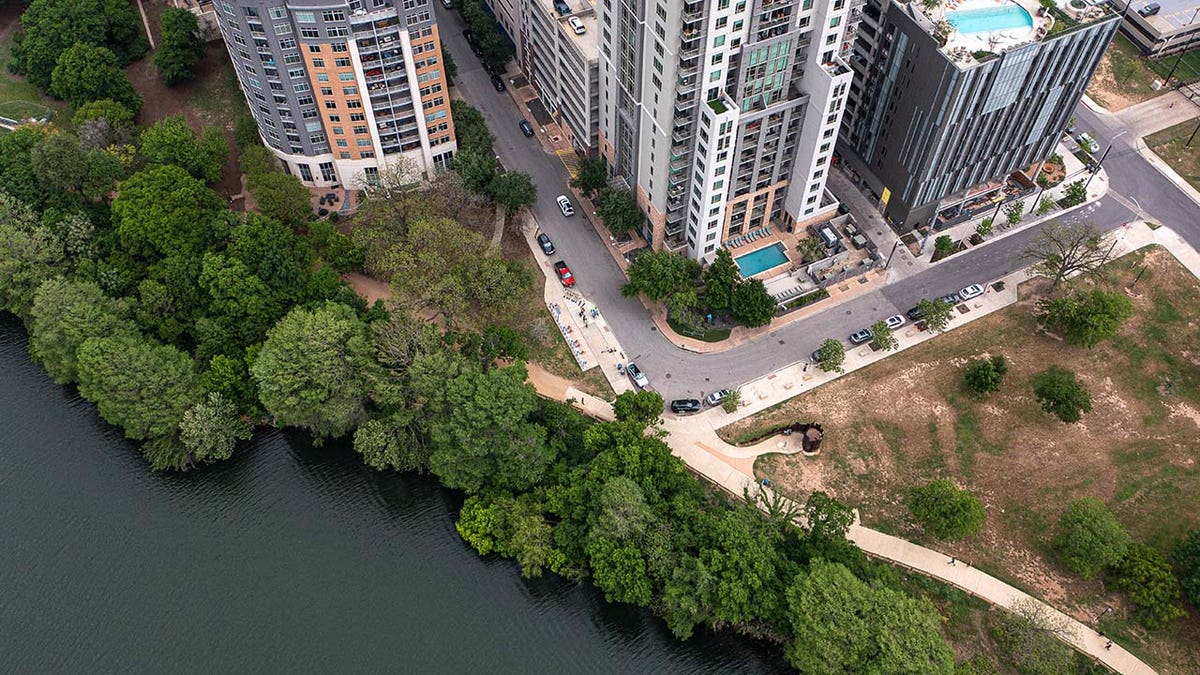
(702, 334)
(1189, 65)
(1170, 145)
(18, 98)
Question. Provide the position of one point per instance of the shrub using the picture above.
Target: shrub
(1061, 394)
(984, 376)
(1186, 556)
(945, 511)
(1090, 538)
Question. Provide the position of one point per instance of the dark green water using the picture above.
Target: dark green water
(286, 558)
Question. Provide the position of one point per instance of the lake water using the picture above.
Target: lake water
(285, 558)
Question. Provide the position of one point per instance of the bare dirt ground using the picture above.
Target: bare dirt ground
(909, 419)
(1122, 79)
(212, 99)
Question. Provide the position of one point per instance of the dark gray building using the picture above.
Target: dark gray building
(947, 103)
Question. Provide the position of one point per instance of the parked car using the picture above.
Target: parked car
(576, 25)
(564, 205)
(546, 244)
(564, 274)
(1088, 143)
(861, 336)
(894, 321)
(972, 291)
(448, 4)
(915, 314)
(685, 406)
(951, 298)
(526, 128)
(636, 374)
(717, 397)
(498, 82)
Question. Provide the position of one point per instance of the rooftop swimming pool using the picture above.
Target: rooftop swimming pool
(990, 19)
(761, 260)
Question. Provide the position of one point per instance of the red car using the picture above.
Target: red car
(564, 274)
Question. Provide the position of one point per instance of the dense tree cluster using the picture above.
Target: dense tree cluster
(181, 47)
(75, 49)
(477, 164)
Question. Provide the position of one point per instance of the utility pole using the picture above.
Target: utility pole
(895, 244)
(1100, 163)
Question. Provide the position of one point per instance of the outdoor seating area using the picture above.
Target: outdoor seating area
(752, 235)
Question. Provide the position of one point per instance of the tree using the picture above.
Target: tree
(181, 46)
(163, 211)
(30, 254)
(1146, 576)
(1061, 394)
(619, 211)
(64, 315)
(831, 355)
(470, 129)
(393, 442)
(984, 376)
(752, 305)
(946, 511)
(477, 168)
(314, 370)
(1064, 249)
(137, 385)
(943, 246)
(842, 625)
(513, 190)
(731, 401)
(86, 72)
(116, 114)
(171, 141)
(1014, 212)
(984, 228)
(1034, 639)
(448, 63)
(935, 314)
(479, 423)
(283, 198)
(211, 428)
(1089, 537)
(1086, 318)
(1186, 557)
(50, 27)
(882, 337)
(512, 527)
(1046, 205)
(642, 407)
(719, 281)
(659, 274)
(619, 570)
(591, 176)
(810, 249)
(621, 511)
(1074, 193)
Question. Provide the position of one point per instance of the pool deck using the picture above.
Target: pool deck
(990, 41)
(751, 249)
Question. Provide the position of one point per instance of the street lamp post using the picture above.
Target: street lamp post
(1100, 163)
(1192, 137)
(889, 260)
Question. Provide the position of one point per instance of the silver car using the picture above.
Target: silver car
(638, 377)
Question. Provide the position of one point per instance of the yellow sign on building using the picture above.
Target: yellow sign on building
(887, 194)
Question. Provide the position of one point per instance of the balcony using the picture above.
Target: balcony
(686, 86)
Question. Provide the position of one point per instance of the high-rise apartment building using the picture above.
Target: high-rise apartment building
(339, 88)
(721, 115)
(948, 101)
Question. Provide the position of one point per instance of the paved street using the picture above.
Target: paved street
(677, 373)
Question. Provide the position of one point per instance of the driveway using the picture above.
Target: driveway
(682, 374)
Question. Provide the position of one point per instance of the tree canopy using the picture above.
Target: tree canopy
(171, 141)
(1061, 394)
(660, 274)
(162, 210)
(945, 510)
(51, 27)
(752, 305)
(831, 355)
(619, 210)
(86, 72)
(1086, 318)
(181, 46)
(67, 313)
(935, 314)
(1089, 537)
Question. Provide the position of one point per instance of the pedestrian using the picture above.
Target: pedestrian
(1108, 645)
(952, 561)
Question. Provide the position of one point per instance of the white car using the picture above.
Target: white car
(972, 291)
(717, 397)
(638, 377)
(894, 321)
(576, 25)
(564, 205)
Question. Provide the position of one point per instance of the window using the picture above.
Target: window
(335, 118)
(343, 155)
(305, 172)
(311, 33)
(341, 143)
(342, 62)
(296, 72)
(357, 117)
(338, 31)
(346, 77)
(305, 17)
(332, 16)
(354, 103)
(360, 129)
(283, 29)
(363, 142)
(338, 131)
(337, 47)
(349, 91)
(327, 172)
(718, 41)
(327, 91)
(331, 105)
(322, 77)
(318, 63)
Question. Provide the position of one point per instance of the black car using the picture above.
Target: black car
(685, 406)
(526, 128)
(915, 314)
(498, 82)
(546, 244)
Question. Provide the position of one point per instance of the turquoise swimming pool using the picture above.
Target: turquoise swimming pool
(761, 260)
(989, 19)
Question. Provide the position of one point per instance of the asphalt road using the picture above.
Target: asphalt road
(677, 373)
